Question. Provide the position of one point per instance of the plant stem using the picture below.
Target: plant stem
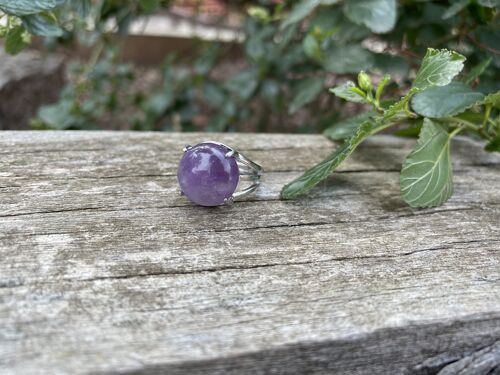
(456, 131)
(378, 129)
(469, 125)
(486, 115)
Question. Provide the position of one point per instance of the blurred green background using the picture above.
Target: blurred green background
(265, 66)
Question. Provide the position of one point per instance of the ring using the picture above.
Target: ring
(210, 173)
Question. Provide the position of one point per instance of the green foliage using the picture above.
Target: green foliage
(305, 92)
(301, 9)
(27, 7)
(492, 100)
(42, 25)
(445, 101)
(378, 15)
(455, 8)
(476, 71)
(346, 128)
(349, 92)
(79, 110)
(321, 171)
(291, 51)
(16, 40)
(426, 177)
(25, 18)
(438, 69)
(70, 19)
(493, 145)
(347, 59)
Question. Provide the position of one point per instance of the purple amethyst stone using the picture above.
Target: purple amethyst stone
(206, 175)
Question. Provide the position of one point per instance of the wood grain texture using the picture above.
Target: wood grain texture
(104, 268)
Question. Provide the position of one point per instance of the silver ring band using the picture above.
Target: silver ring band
(248, 170)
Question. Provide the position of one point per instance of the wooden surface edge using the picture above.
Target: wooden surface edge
(473, 347)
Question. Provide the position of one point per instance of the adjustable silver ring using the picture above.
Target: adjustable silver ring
(212, 173)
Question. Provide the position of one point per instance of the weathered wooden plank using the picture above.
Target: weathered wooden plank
(104, 268)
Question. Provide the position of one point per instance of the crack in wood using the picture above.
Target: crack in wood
(54, 151)
(233, 268)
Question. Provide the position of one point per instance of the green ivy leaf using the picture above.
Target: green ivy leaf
(347, 59)
(438, 68)
(426, 176)
(243, 84)
(455, 8)
(302, 9)
(206, 61)
(321, 171)
(347, 32)
(346, 128)
(477, 71)
(15, 40)
(489, 3)
(378, 15)
(214, 94)
(158, 103)
(325, 23)
(26, 7)
(305, 92)
(445, 101)
(312, 47)
(41, 25)
(349, 92)
(395, 65)
(57, 116)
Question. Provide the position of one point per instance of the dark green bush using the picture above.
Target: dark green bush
(293, 51)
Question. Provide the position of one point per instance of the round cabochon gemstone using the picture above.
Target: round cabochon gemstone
(206, 175)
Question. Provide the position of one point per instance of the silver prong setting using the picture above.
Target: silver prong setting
(249, 172)
(229, 200)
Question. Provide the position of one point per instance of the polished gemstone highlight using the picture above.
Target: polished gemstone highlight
(206, 175)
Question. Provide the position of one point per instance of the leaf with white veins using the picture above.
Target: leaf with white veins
(426, 176)
(25, 7)
(438, 68)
